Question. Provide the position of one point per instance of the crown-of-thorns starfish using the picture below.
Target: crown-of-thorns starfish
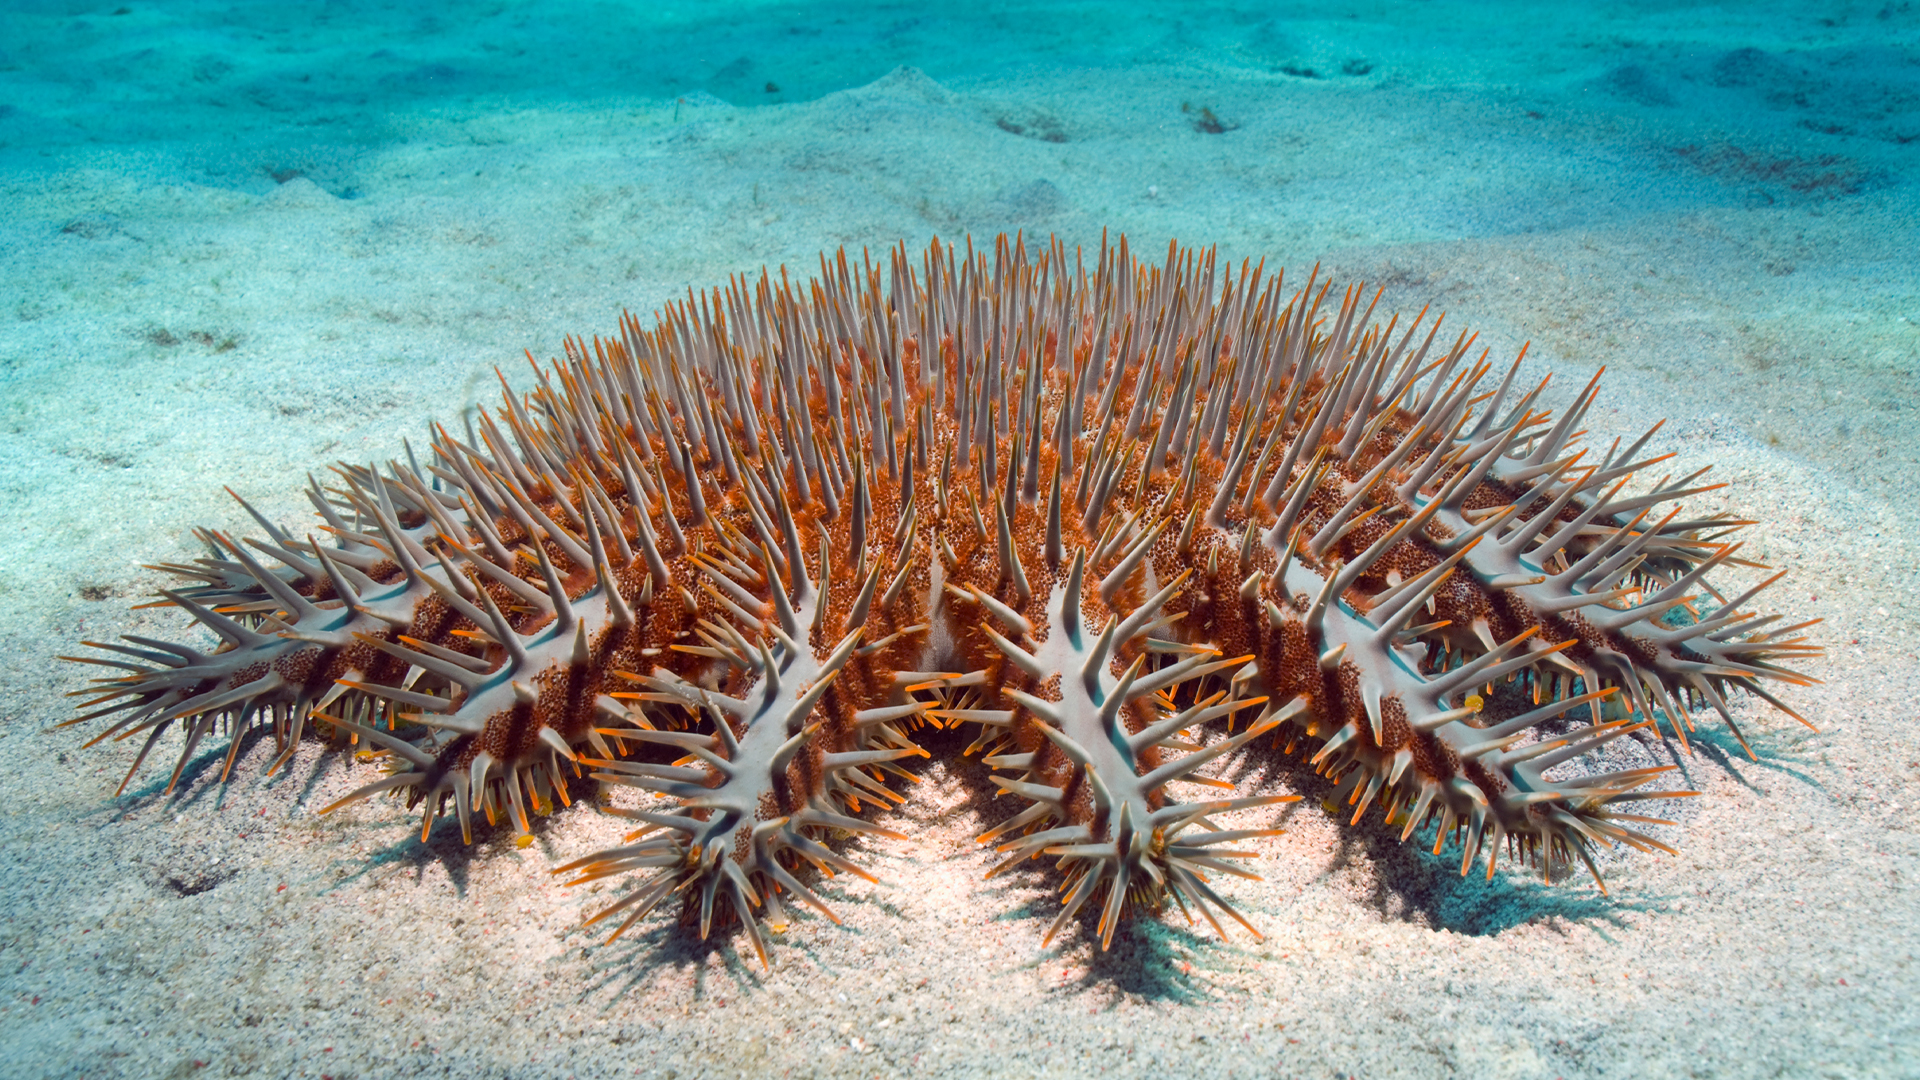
(739, 558)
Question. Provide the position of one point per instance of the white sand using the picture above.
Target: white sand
(175, 321)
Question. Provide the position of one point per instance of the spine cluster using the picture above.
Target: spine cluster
(1121, 520)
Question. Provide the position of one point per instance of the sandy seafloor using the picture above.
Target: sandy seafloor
(236, 246)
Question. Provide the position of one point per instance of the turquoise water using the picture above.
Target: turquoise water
(1833, 85)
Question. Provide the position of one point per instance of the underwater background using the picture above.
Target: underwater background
(239, 241)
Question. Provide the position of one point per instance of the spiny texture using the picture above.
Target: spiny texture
(1104, 515)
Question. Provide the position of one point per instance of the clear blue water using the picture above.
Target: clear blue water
(197, 79)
